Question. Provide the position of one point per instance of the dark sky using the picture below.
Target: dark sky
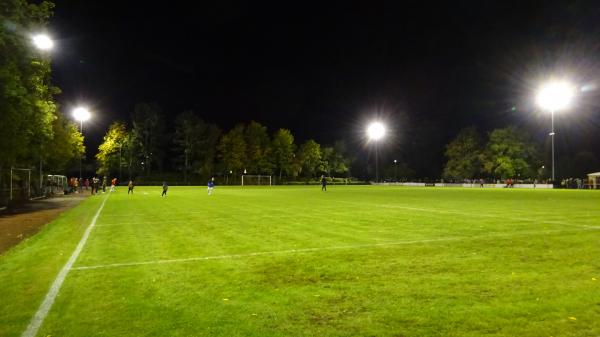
(324, 69)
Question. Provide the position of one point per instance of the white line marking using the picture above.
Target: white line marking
(42, 312)
(315, 249)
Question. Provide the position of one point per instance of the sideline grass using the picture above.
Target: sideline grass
(425, 262)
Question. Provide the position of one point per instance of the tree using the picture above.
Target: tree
(309, 157)
(110, 152)
(186, 139)
(464, 155)
(258, 149)
(195, 141)
(65, 147)
(333, 160)
(27, 105)
(510, 153)
(147, 134)
(232, 149)
(207, 151)
(283, 148)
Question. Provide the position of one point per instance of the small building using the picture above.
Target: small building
(594, 180)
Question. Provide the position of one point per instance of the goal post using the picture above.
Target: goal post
(20, 181)
(257, 179)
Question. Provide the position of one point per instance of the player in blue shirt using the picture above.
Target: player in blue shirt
(211, 185)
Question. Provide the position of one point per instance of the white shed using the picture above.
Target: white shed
(594, 180)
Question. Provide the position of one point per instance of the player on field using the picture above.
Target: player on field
(323, 183)
(113, 184)
(211, 185)
(130, 187)
(165, 188)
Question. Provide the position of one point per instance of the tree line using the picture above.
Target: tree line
(199, 149)
(505, 153)
(35, 133)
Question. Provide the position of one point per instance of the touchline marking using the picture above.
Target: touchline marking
(315, 249)
(42, 312)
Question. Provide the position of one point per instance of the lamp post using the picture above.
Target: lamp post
(396, 170)
(375, 132)
(554, 96)
(81, 114)
(43, 43)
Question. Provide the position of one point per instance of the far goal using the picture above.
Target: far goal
(248, 179)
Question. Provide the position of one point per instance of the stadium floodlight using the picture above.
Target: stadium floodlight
(555, 96)
(375, 132)
(42, 42)
(82, 114)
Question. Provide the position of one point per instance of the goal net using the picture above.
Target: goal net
(256, 180)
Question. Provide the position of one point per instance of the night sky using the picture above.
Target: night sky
(325, 69)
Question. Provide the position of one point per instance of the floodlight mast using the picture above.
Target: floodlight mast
(43, 43)
(81, 114)
(555, 96)
(375, 132)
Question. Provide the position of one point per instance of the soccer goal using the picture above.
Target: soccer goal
(20, 183)
(256, 180)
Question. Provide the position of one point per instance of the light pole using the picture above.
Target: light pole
(555, 96)
(396, 170)
(81, 114)
(43, 43)
(375, 132)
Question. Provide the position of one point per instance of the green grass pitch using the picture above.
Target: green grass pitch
(295, 261)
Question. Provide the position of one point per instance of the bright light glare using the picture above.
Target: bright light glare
(555, 95)
(43, 42)
(376, 131)
(81, 114)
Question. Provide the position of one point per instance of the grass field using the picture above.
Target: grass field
(294, 261)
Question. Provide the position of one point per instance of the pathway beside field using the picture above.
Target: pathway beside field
(24, 221)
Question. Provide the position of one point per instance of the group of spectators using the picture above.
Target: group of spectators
(575, 183)
(79, 185)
